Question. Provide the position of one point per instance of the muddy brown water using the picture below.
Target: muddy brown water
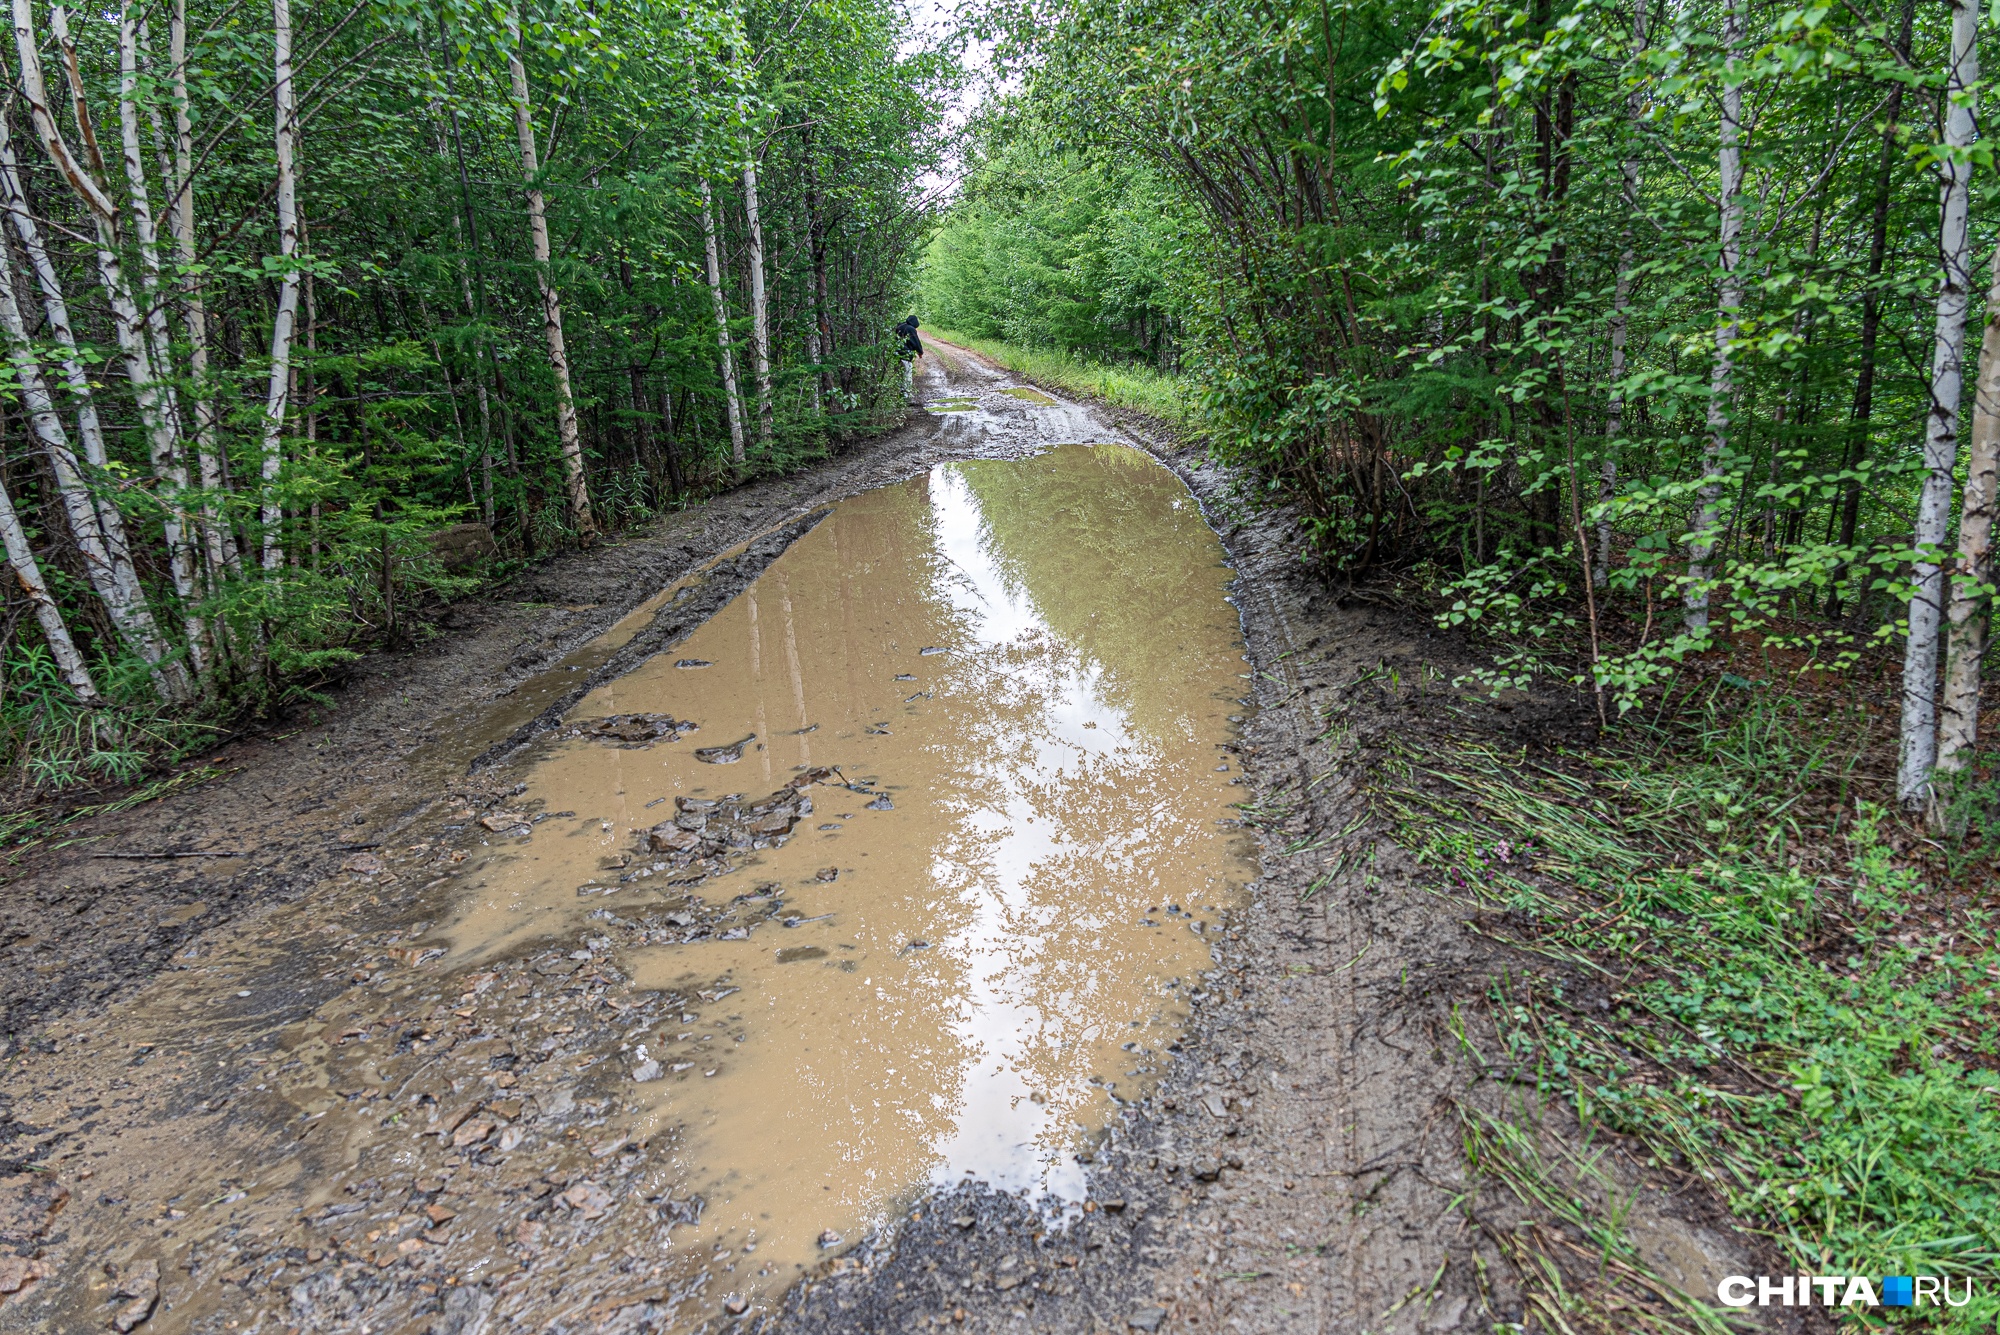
(1018, 674)
(923, 910)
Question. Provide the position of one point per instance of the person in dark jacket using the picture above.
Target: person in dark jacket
(912, 348)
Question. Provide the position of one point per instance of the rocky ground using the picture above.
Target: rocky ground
(168, 1017)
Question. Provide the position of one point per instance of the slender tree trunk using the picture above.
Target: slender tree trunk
(159, 338)
(150, 316)
(552, 326)
(222, 553)
(278, 388)
(1703, 537)
(760, 312)
(1971, 587)
(28, 574)
(1920, 658)
(1621, 304)
(729, 398)
(674, 477)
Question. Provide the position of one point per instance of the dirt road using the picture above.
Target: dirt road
(292, 1084)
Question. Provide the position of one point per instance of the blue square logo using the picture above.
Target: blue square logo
(1898, 1291)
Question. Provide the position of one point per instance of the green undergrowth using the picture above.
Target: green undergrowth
(1133, 385)
(1741, 966)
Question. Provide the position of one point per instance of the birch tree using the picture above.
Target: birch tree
(1972, 582)
(1920, 658)
(730, 400)
(221, 546)
(760, 312)
(552, 318)
(278, 388)
(28, 574)
(1706, 529)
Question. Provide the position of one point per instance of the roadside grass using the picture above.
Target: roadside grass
(1742, 974)
(1584, 1274)
(1138, 387)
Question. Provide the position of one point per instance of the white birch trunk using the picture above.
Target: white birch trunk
(220, 543)
(278, 389)
(552, 326)
(729, 399)
(28, 573)
(1971, 596)
(142, 323)
(760, 313)
(1729, 300)
(159, 340)
(34, 92)
(1920, 656)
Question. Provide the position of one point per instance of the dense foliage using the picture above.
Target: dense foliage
(1619, 324)
(293, 290)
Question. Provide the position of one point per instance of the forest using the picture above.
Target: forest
(1636, 333)
(1644, 357)
(314, 313)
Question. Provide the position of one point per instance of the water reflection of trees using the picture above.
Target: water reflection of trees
(1113, 554)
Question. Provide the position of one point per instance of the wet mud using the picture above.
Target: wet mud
(831, 911)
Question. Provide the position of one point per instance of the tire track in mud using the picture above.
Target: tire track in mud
(689, 608)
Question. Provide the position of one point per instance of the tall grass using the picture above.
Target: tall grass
(1134, 386)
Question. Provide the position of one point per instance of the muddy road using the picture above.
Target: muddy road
(934, 891)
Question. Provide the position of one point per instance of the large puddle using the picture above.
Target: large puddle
(950, 834)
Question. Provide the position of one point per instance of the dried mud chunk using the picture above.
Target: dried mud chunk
(634, 730)
(727, 754)
(710, 828)
(668, 837)
(140, 1282)
(473, 1132)
(18, 1273)
(682, 1212)
(587, 1199)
